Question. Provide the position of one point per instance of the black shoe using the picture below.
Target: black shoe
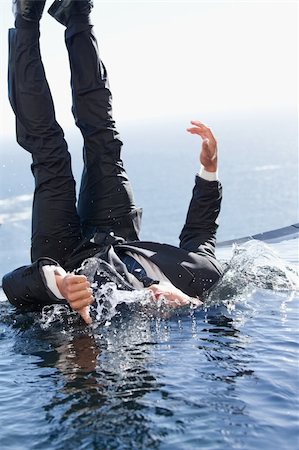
(30, 10)
(62, 10)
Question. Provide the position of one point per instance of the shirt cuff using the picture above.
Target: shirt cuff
(208, 176)
(49, 273)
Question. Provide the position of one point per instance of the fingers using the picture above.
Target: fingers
(77, 291)
(178, 303)
(199, 127)
(196, 301)
(198, 123)
(72, 280)
(75, 283)
(81, 302)
(84, 313)
(202, 130)
(80, 297)
(173, 297)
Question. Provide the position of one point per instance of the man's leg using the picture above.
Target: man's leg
(55, 223)
(106, 200)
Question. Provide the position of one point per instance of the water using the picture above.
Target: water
(144, 377)
(221, 377)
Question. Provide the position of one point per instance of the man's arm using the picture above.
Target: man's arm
(44, 282)
(26, 287)
(75, 289)
(199, 232)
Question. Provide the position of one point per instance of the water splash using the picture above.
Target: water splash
(254, 265)
(110, 301)
(57, 315)
(111, 292)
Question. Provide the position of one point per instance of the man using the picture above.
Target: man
(106, 222)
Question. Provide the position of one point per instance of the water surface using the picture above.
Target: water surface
(220, 377)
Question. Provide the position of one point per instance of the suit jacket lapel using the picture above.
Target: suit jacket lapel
(178, 265)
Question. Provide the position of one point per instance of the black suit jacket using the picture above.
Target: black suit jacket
(191, 267)
(191, 272)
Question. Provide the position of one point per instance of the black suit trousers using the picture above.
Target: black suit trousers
(106, 200)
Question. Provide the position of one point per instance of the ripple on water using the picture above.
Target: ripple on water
(220, 377)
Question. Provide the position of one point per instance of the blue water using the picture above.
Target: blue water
(223, 377)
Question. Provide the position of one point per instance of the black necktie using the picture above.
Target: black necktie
(136, 269)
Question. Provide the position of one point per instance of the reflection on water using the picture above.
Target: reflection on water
(206, 378)
(98, 383)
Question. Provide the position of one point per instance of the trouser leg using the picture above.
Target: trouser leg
(55, 222)
(106, 200)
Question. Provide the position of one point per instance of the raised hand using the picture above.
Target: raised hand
(208, 154)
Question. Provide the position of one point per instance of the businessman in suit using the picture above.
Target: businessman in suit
(105, 223)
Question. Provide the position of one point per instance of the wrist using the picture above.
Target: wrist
(51, 274)
(208, 175)
(210, 167)
(59, 280)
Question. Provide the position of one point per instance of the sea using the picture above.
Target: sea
(222, 376)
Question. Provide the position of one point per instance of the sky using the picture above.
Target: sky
(166, 59)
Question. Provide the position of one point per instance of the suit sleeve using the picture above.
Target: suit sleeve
(199, 232)
(26, 287)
